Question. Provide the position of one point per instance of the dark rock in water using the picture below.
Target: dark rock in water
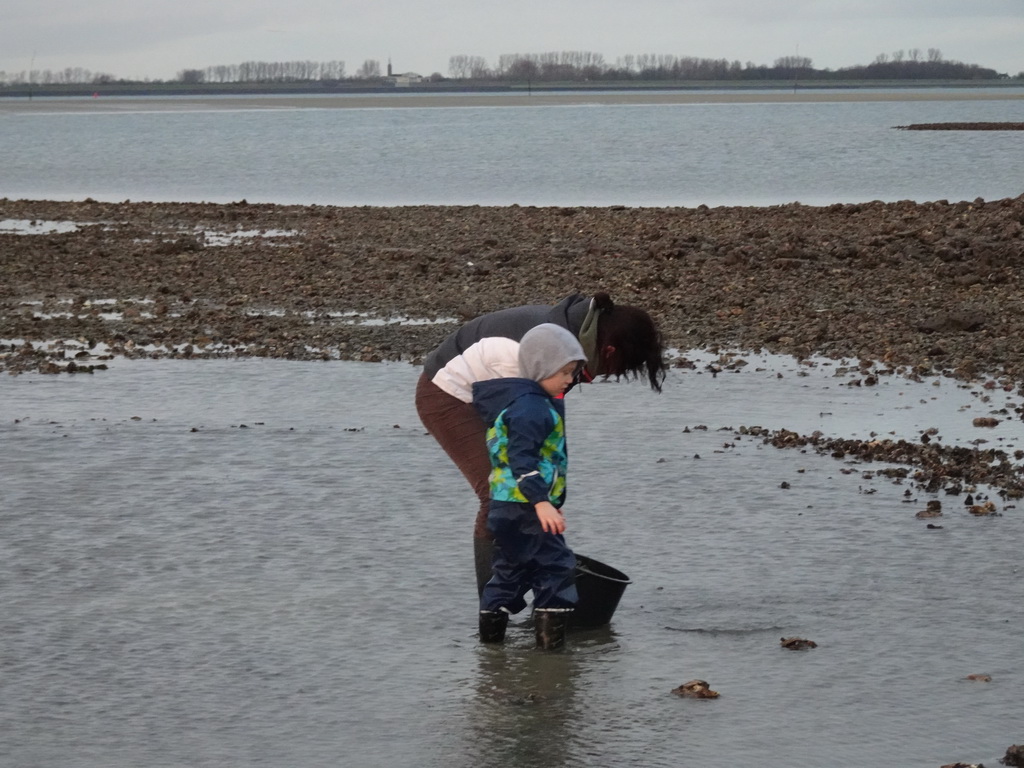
(980, 678)
(797, 643)
(696, 689)
(1014, 756)
(981, 510)
(985, 421)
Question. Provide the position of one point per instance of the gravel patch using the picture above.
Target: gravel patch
(932, 288)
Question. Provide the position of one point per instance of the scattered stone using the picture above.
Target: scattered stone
(797, 643)
(696, 689)
(1014, 756)
(932, 467)
(952, 322)
(981, 510)
(930, 287)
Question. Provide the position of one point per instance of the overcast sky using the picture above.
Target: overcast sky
(156, 39)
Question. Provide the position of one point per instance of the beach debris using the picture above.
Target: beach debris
(980, 510)
(1014, 756)
(797, 643)
(931, 466)
(696, 689)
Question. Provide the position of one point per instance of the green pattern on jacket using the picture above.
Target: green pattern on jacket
(552, 467)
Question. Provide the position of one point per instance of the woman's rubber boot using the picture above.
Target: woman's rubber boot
(550, 625)
(483, 557)
(492, 626)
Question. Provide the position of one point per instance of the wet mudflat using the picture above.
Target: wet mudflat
(256, 562)
(927, 287)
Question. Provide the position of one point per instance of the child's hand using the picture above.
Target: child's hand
(551, 519)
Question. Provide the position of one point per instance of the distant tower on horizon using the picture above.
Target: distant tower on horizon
(389, 66)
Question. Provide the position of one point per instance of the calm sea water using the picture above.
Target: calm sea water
(688, 154)
(268, 563)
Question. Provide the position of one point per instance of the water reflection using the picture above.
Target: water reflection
(526, 708)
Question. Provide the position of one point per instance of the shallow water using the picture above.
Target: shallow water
(241, 563)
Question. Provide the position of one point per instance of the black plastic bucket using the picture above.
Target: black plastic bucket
(600, 588)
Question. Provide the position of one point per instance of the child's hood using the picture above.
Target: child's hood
(545, 349)
(492, 396)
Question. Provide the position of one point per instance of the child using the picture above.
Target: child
(526, 443)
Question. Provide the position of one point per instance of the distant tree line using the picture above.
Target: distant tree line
(551, 67)
(578, 66)
(67, 76)
(246, 72)
(913, 65)
(266, 72)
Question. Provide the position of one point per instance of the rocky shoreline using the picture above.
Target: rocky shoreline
(926, 288)
(897, 288)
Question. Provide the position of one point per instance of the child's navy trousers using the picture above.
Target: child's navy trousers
(525, 558)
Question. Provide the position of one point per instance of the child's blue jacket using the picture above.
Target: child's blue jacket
(525, 439)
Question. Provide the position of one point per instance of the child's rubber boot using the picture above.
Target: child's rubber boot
(550, 625)
(492, 626)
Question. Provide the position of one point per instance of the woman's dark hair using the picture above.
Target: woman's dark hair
(638, 350)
